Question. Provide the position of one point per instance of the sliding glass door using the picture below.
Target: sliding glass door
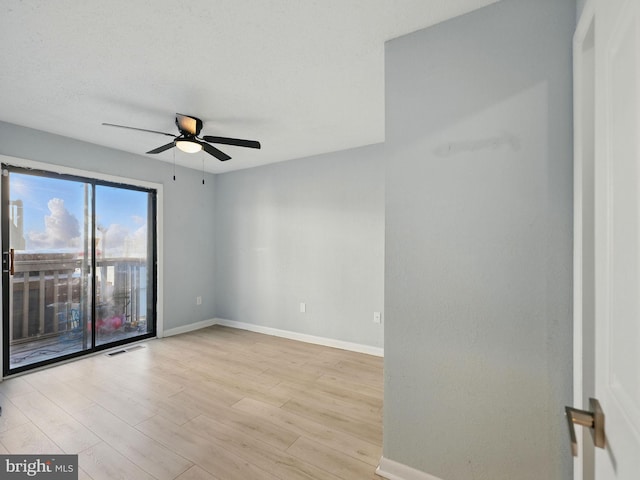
(78, 266)
(123, 253)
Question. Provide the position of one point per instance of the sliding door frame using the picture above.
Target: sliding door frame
(98, 179)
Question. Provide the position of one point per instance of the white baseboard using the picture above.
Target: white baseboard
(398, 471)
(188, 328)
(303, 337)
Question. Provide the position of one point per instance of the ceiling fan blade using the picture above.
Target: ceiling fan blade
(211, 150)
(162, 148)
(232, 141)
(187, 124)
(140, 129)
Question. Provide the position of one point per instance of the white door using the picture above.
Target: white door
(617, 235)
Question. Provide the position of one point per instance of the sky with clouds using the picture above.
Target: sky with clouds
(54, 215)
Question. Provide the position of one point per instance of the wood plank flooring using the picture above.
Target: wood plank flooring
(215, 404)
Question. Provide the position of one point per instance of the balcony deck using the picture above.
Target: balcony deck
(48, 296)
(47, 348)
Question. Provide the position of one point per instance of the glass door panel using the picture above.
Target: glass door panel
(124, 256)
(47, 265)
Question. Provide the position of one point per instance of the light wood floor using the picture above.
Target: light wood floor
(217, 403)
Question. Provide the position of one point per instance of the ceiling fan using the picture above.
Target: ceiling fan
(189, 141)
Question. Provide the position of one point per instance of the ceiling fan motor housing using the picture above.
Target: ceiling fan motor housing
(188, 125)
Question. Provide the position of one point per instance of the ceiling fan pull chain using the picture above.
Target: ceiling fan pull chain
(202, 169)
(174, 165)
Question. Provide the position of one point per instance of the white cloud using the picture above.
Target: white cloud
(61, 229)
(113, 240)
(137, 243)
(121, 242)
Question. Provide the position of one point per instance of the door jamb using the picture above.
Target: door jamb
(587, 19)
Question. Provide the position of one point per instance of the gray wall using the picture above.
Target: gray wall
(309, 230)
(188, 212)
(478, 294)
(580, 7)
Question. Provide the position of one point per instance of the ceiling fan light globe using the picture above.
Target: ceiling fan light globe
(188, 146)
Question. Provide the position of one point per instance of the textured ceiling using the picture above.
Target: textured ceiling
(302, 76)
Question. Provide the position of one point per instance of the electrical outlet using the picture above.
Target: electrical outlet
(303, 307)
(377, 317)
(198, 300)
